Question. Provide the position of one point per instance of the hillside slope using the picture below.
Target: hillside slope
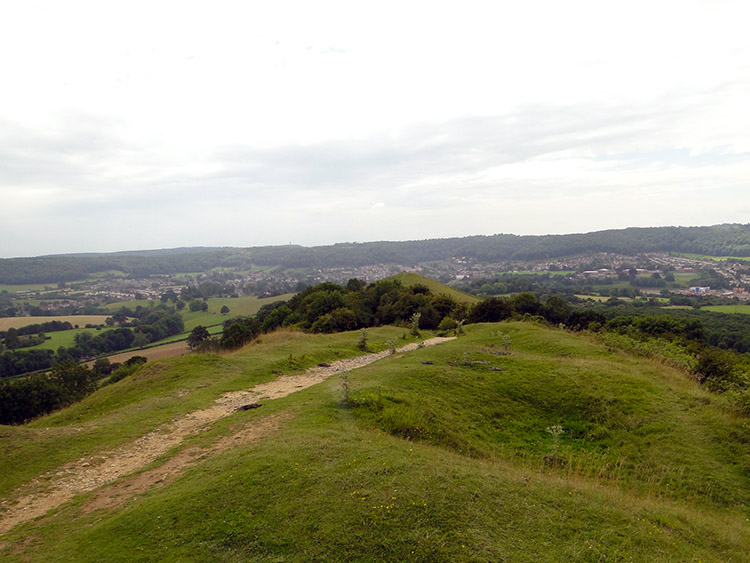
(410, 279)
(716, 240)
(438, 454)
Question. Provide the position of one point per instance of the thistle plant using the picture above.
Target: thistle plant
(507, 345)
(460, 328)
(391, 346)
(362, 344)
(415, 324)
(556, 431)
(346, 399)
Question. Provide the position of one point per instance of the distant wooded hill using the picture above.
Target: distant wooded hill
(717, 240)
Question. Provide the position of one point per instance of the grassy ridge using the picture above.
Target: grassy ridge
(409, 279)
(448, 461)
(159, 392)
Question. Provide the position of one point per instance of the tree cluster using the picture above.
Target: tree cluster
(24, 399)
(148, 324)
(329, 307)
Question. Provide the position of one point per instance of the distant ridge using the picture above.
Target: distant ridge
(717, 240)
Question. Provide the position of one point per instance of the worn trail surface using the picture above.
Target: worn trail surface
(90, 473)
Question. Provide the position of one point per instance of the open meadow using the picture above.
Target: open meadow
(740, 308)
(80, 320)
(238, 307)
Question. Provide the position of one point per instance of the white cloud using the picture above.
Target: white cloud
(262, 123)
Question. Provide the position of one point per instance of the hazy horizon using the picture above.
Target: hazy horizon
(341, 242)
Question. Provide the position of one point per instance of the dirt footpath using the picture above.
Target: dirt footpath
(90, 473)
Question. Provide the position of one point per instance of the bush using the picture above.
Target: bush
(239, 332)
(447, 324)
(490, 310)
(126, 369)
(25, 399)
(716, 369)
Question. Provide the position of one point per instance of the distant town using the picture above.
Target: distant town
(654, 271)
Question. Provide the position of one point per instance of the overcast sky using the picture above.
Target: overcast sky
(135, 125)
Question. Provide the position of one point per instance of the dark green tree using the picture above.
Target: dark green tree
(197, 335)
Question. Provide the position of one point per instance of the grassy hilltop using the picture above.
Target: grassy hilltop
(409, 279)
(444, 453)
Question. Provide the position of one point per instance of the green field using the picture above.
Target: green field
(550, 272)
(12, 288)
(744, 308)
(238, 307)
(213, 319)
(450, 460)
(130, 304)
(64, 338)
(80, 320)
(713, 258)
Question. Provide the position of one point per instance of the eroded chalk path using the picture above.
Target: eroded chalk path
(94, 472)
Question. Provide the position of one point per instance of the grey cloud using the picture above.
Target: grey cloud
(463, 146)
(82, 150)
(430, 168)
(73, 151)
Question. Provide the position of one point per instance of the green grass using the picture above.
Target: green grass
(743, 308)
(447, 461)
(80, 320)
(97, 276)
(707, 257)
(212, 319)
(64, 338)
(549, 272)
(138, 404)
(14, 288)
(409, 279)
(132, 304)
(238, 307)
(684, 280)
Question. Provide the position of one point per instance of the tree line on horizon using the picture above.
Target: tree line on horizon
(717, 240)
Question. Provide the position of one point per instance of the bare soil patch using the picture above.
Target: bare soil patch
(114, 495)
